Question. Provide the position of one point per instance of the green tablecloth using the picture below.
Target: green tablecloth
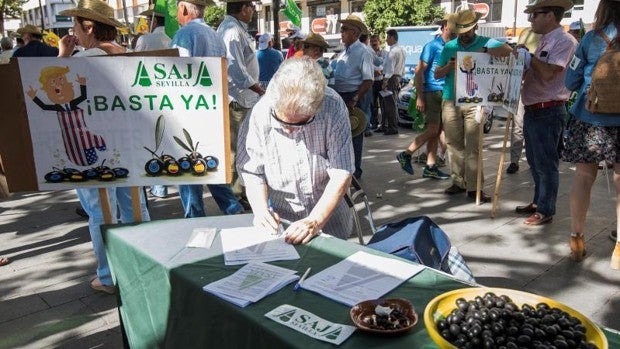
(163, 305)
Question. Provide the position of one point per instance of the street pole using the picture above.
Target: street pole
(275, 14)
(42, 19)
(125, 13)
(514, 24)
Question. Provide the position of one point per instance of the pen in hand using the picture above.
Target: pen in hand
(303, 278)
(280, 230)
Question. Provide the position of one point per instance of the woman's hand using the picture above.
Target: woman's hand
(67, 45)
(302, 231)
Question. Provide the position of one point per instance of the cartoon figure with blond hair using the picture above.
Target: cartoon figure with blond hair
(467, 66)
(80, 143)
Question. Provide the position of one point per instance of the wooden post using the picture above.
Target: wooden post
(135, 204)
(500, 167)
(480, 138)
(104, 197)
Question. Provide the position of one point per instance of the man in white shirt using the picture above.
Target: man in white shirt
(157, 38)
(394, 69)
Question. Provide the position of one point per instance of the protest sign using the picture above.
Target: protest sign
(127, 121)
(481, 79)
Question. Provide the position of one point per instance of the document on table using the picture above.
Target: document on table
(247, 244)
(252, 282)
(360, 277)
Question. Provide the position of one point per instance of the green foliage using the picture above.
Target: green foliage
(381, 14)
(9, 9)
(214, 15)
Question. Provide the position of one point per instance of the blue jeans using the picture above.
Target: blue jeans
(193, 205)
(120, 200)
(542, 130)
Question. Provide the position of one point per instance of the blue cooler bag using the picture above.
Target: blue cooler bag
(420, 240)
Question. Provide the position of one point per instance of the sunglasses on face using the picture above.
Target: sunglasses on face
(291, 124)
(533, 15)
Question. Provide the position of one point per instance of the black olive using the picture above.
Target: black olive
(527, 331)
(442, 324)
(455, 329)
(445, 333)
(512, 345)
(523, 340)
(513, 330)
(560, 344)
(488, 343)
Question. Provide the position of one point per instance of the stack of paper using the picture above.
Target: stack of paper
(249, 244)
(360, 277)
(252, 282)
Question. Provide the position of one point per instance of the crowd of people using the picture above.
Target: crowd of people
(295, 150)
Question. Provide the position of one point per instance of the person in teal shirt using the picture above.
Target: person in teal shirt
(459, 123)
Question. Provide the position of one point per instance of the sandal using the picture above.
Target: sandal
(615, 257)
(538, 219)
(4, 261)
(577, 247)
(96, 285)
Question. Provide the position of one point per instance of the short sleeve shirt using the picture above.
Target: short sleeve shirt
(430, 56)
(352, 66)
(450, 50)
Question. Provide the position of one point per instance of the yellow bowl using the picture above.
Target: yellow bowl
(442, 305)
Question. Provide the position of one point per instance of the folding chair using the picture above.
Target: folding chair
(356, 192)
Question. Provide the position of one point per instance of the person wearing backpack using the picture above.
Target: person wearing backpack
(592, 137)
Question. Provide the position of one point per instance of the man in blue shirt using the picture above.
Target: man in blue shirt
(429, 91)
(33, 47)
(268, 59)
(197, 39)
(459, 123)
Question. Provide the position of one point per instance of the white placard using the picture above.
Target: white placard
(481, 79)
(88, 112)
(309, 324)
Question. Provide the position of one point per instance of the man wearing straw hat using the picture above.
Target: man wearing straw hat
(544, 97)
(195, 38)
(459, 123)
(33, 46)
(157, 39)
(353, 75)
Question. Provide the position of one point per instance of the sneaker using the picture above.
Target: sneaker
(512, 168)
(434, 172)
(405, 162)
(420, 159)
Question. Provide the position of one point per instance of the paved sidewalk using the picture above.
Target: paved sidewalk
(46, 301)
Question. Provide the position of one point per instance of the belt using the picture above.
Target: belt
(542, 105)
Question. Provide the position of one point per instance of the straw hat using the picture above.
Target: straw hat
(316, 40)
(30, 29)
(151, 12)
(356, 22)
(357, 117)
(463, 21)
(94, 10)
(565, 4)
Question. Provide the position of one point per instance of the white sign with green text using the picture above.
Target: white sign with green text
(127, 121)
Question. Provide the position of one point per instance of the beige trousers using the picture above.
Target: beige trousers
(462, 134)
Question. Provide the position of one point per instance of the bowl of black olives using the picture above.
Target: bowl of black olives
(504, 318)
(392, 316)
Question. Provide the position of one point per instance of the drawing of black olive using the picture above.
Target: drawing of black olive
(106, 175)
(154, 167)
(172, 167)
(54, 177)
(185, 164)
(212, 162)
(199, 167)
(120, 172)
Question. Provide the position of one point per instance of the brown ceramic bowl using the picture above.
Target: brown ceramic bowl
(365, 309)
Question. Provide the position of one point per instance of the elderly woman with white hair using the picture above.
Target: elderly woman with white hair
(295, 155)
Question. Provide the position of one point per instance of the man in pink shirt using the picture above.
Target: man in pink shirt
(544, 97)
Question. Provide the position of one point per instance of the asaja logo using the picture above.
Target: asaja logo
(172, 75)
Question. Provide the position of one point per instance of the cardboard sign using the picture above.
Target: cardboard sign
(126, 121)
(481, 79)
(513, 88)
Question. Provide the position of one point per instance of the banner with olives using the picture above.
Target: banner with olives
(127, 121)
(482, 79)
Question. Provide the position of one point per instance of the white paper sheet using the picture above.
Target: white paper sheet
(252, 282)
(360, 277)
(385, 93)
(247, 244)
(202, 237)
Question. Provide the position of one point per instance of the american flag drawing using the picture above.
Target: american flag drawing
(80, 143)
(472, 86)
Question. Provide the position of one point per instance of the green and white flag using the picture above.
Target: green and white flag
(169, 9)
(292, 11)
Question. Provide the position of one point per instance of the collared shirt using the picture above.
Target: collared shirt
(579, 75)
(296, 167)
(430, 56)
(36, 48)
(198, 39)
(449, 51)
(396, 57)
(380, 57)
(157, 40)
(5, 56)
(556, 47)
(242, 62)
(351, 67)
